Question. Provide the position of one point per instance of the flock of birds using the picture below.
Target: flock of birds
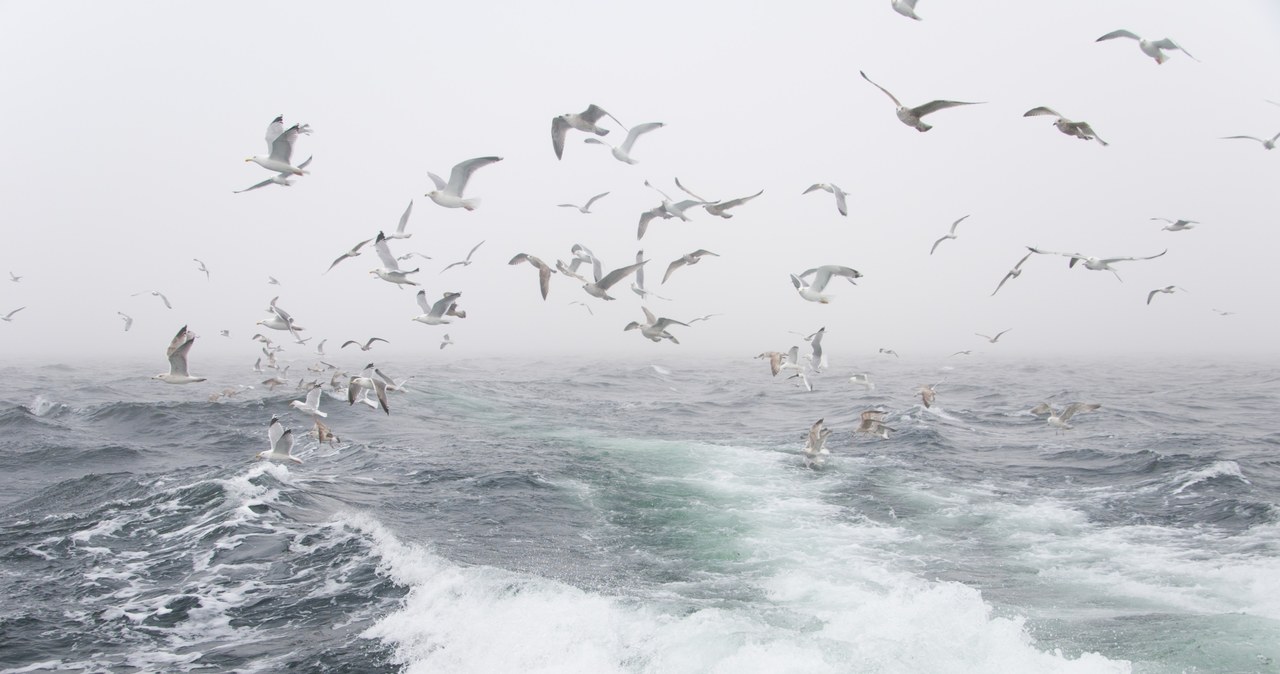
(371, 386)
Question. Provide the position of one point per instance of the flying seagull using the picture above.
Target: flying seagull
(603, 282)
(404, 220)
(687, 259)
(718, 208)
(1080, 130)
(359, 384)
(281, 442)
(587, 208)
(312, 403)
(1059, 419)
(654, 328)
(1153, 48)
(156, 293)
(368, 344)
(1097, 264)
(463, 263)
(582, 121)
(912, 116)
(1177, 225)
(815, 445)
(445, 341)
(9, 317)
(203, 268)
(1013, 273)
(128, 320)
(390, 270)
(821, 277)
(354, 252)
(449, 194)
(949, 235)
(873, 424)
(841, 203)
(1166, 290)
(991, 339)
(1267, 143)
(623, 152)
(177, 355)
(544, 272)
(280, 148)
(281, 178)
(14, 277)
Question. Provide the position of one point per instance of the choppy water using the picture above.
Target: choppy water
(538, 517)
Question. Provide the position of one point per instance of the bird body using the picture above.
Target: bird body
(177, 352)
(449, 194)
(435, 314)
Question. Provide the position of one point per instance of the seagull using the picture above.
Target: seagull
(654, 328)
(9, 317)
(1177, 225)
(600, 286)
(14, 277)
(580, 256)
(280, 319)
(584, 305)
(815, 446)
(873, 424)
(1013, 273)
(1267, 143)
(323, 434)
(582, 121)
(906, 8)
(203, 268)
(587, 208)
(687, 259)
(949, 235)
(623, 152)
(889, 352)
(449, 194)
(718, 208)
(390, 270)
(273, 281)
(281, 442)
(1166, 290)
(1098, 264)
(312, 404)
(156, 293)
(703, 318)
(368, 344)
(177, 355)
(841, 204)
(991, 339)
(911, 116)
(128, 320)
(1080, 130)
(544, 272)
(637, 286)
(354, 252)
(1059, 419)
(927, 395)
(446, 341)
(666, 210)
(281, 178)
(966, 352)
(364, 381)
(1153, 48)
(404, 220)
(434, 314)
(863, 380)
(779, 361)
(280, 147)
(464, 263)
(813, 291)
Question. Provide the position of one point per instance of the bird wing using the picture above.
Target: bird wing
(816, 186)
(442, 305)
(1001, 333)
(934, 106)
(254, 186)
(935, 244)
(1248, 137)
(815, 436)
(617, 275)
(282, 146)
(177, 351)
(380, 388)
(686, 191)
(725, 205)
(421, 297)
(1041, 111)
(592, 200)
(640, 271)
(841, 204)
(384, 253)
(355, 250)
(1077, 408)
(1118, 33)
(559, 128)
(275, 431)
(274, 129)
(404, 219)
(1151, 294)
(957, 224)
(1166, 43)
(637, 131)
(886, 91)
(1133, 259)
(473, 250)
(672, 267)
(595, 113)
(649, 318)
(313, 398)
(462, 173)
(647, 217)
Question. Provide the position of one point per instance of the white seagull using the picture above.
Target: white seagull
(445, 341)
(623, 152)
(463, 263)
(312, 403)
(1267, 143)
(156, 293)
(949, 235)
(911, 116)
(359, 384)
(1177, 225)
(544, 272)
(718, 208)
(368, 343)
(689, 258)
(449, 194)
(1153, 48)
(177, 355)
(582, 121)
(280, 147)
(600, 286)
(991, 339)
(404, 220)
(9, 316)
(1059, 419)
(354, 252)
(203, 268)
(281, 442)
(1097, 264)
(815, 446)
(281, 178)
(390, 270)
(821, 277)
(873, 424)
(1013, 273)
(1166, 290)
(587, 208)
(654, 328)
(434, 314)
(128, 320)
(841, 203)
(906, 8)
(1080, 130)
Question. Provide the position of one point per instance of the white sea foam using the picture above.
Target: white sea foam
(1217, 469)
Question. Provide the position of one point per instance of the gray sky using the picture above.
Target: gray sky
(127, 125)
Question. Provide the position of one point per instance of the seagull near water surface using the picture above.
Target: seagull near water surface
(177, 353)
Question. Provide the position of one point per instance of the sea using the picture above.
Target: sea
(646, 515)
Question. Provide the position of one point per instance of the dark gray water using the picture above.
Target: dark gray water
(539, 517)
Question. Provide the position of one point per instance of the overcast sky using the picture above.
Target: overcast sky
(126, 125)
